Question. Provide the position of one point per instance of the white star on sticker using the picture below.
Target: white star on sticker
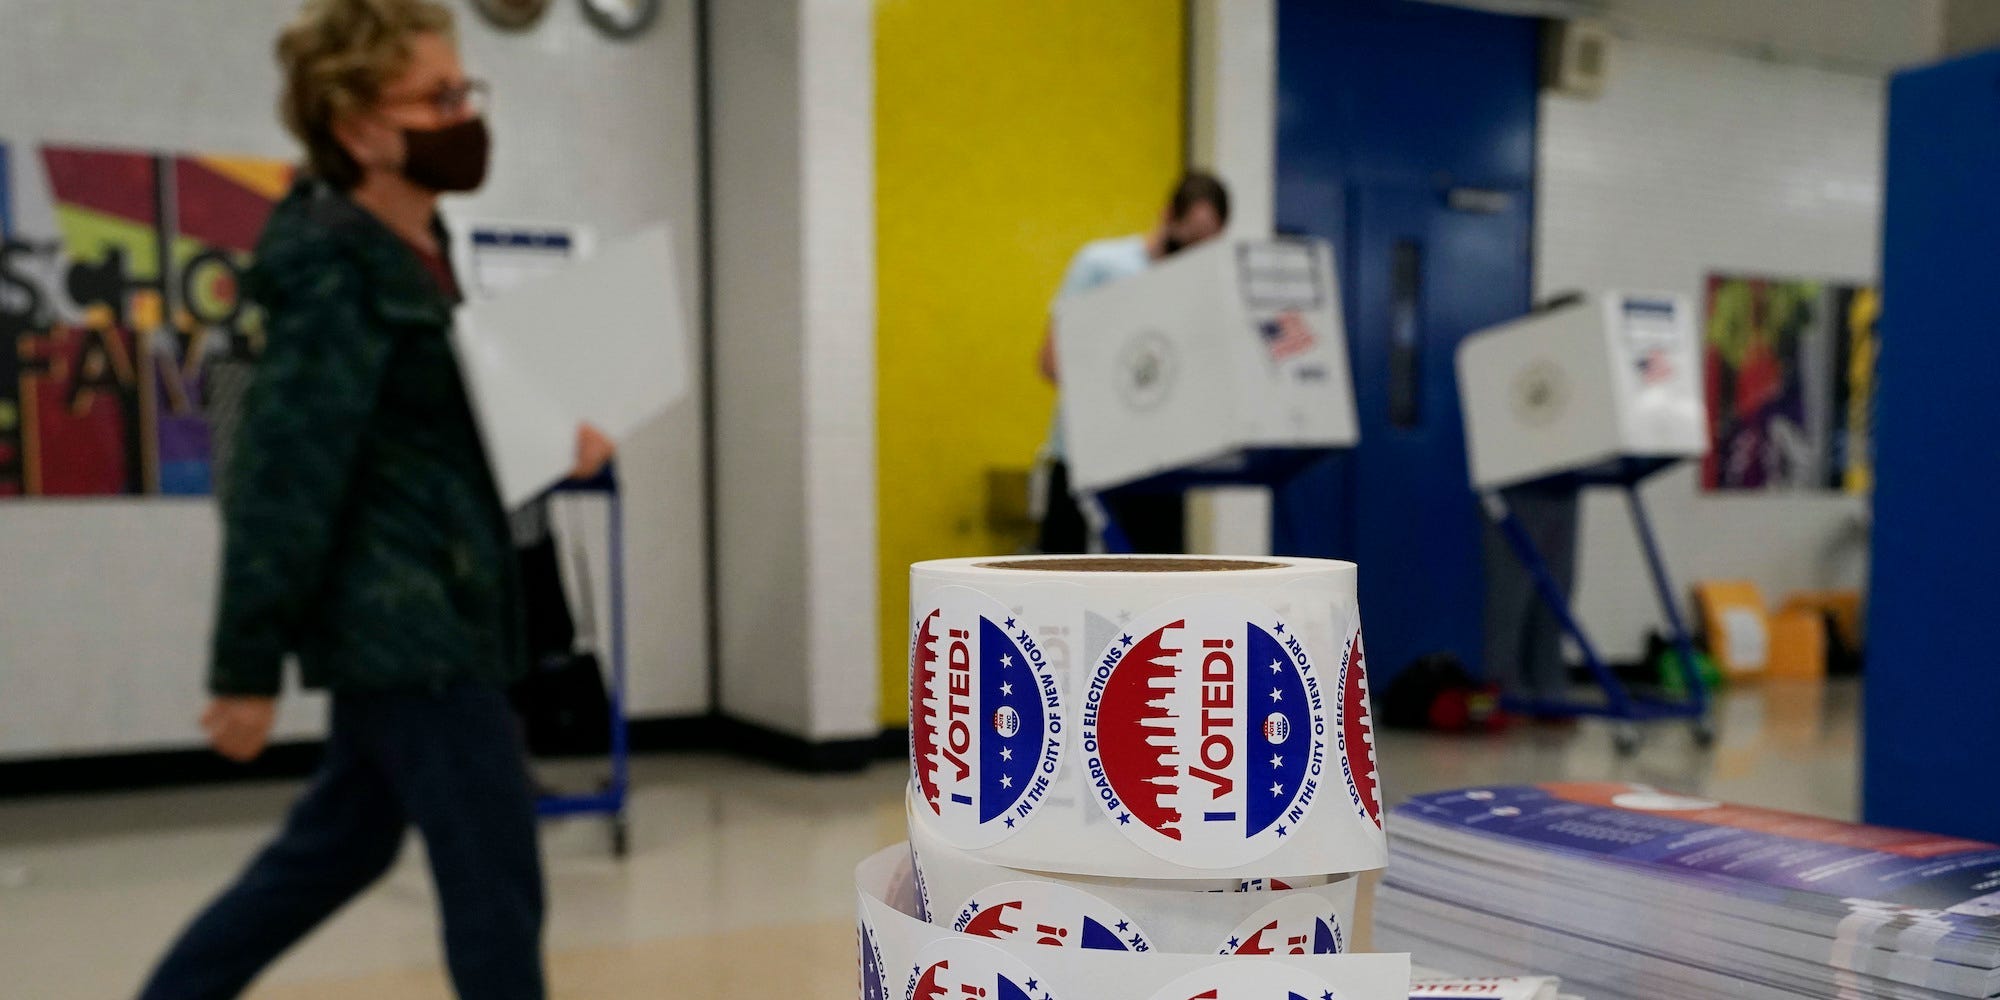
(1006, 753)
(1007, 660)
(1006, 781)
(1277, 666)
(1277, 695)
(1276, 789)
(1277, 760)
(1006, 689)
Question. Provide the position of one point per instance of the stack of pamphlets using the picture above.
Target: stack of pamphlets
(1625, 891)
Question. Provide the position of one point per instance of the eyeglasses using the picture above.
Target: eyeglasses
(467, 97)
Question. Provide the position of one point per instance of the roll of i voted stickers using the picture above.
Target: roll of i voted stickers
(1203, 717)
(1241, 917)
(904, 958)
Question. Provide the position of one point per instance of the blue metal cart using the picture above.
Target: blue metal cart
(609, 799)
(1625, 708)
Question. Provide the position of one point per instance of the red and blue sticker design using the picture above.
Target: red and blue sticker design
(1204, 732)
(872, 987)
(986, 718)
(1294, 925)
(959, 968)
(1247, 981)
(1050, 914)
(1357, 733)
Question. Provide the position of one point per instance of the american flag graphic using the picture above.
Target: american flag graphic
(1286, 335)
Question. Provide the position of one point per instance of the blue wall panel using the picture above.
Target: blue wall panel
(1384, 108)
(1933, 689)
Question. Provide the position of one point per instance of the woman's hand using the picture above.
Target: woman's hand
(593, 452)
(239, 726)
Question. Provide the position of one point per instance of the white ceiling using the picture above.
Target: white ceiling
(1865, 36)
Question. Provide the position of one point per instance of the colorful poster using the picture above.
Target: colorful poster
(123, 334)
(1790, 370)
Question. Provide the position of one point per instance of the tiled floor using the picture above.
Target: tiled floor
(740, 875)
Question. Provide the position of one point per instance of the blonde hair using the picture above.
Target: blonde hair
(335, 57)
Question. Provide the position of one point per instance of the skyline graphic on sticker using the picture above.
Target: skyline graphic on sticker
(961, 968)
(1296, 924)
(1357, 733)
(1050, 914)
(986, 718)
(1204, 731)
(1248, 981)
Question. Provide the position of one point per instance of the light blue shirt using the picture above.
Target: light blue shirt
(1100, 262)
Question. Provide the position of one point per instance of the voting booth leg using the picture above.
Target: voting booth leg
(1620, 706)
(1558, 604)
(1664, 589)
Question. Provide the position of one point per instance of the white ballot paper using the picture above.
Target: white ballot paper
(602, 341)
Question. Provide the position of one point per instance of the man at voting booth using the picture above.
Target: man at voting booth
(363, 531)
(1197, 210)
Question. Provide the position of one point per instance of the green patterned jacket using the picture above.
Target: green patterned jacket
(362, 529)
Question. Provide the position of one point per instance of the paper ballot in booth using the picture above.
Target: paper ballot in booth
(1613, 375)
(1209, 360)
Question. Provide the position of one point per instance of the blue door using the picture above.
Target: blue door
(1428, 266)
(1406, 136)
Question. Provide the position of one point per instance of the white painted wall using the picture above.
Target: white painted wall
(1232, 130)
(1698, 160)
(794, 212)
(105, 604)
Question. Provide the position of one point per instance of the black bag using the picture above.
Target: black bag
(564, 709)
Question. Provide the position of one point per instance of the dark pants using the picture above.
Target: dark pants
(450, 763)
(1154, 523)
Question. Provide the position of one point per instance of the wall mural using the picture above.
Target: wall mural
(124, 340)
(1790, 373)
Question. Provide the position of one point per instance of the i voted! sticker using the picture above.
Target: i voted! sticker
(986, 718)
(1247, 981)
(1051, 914)
(1204, 732)
(958, 968)
(1298, 924)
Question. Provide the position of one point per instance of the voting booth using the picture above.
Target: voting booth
(1218, 362)
(1615, 375)
(1603, 390)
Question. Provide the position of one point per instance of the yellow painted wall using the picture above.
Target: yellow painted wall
(1008, 134)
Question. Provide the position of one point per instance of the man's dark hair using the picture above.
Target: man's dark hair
(1195, 187)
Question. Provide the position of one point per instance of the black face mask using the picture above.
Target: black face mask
(452, 158)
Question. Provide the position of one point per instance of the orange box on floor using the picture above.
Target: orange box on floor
(1798, 645)
(1737, 626)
